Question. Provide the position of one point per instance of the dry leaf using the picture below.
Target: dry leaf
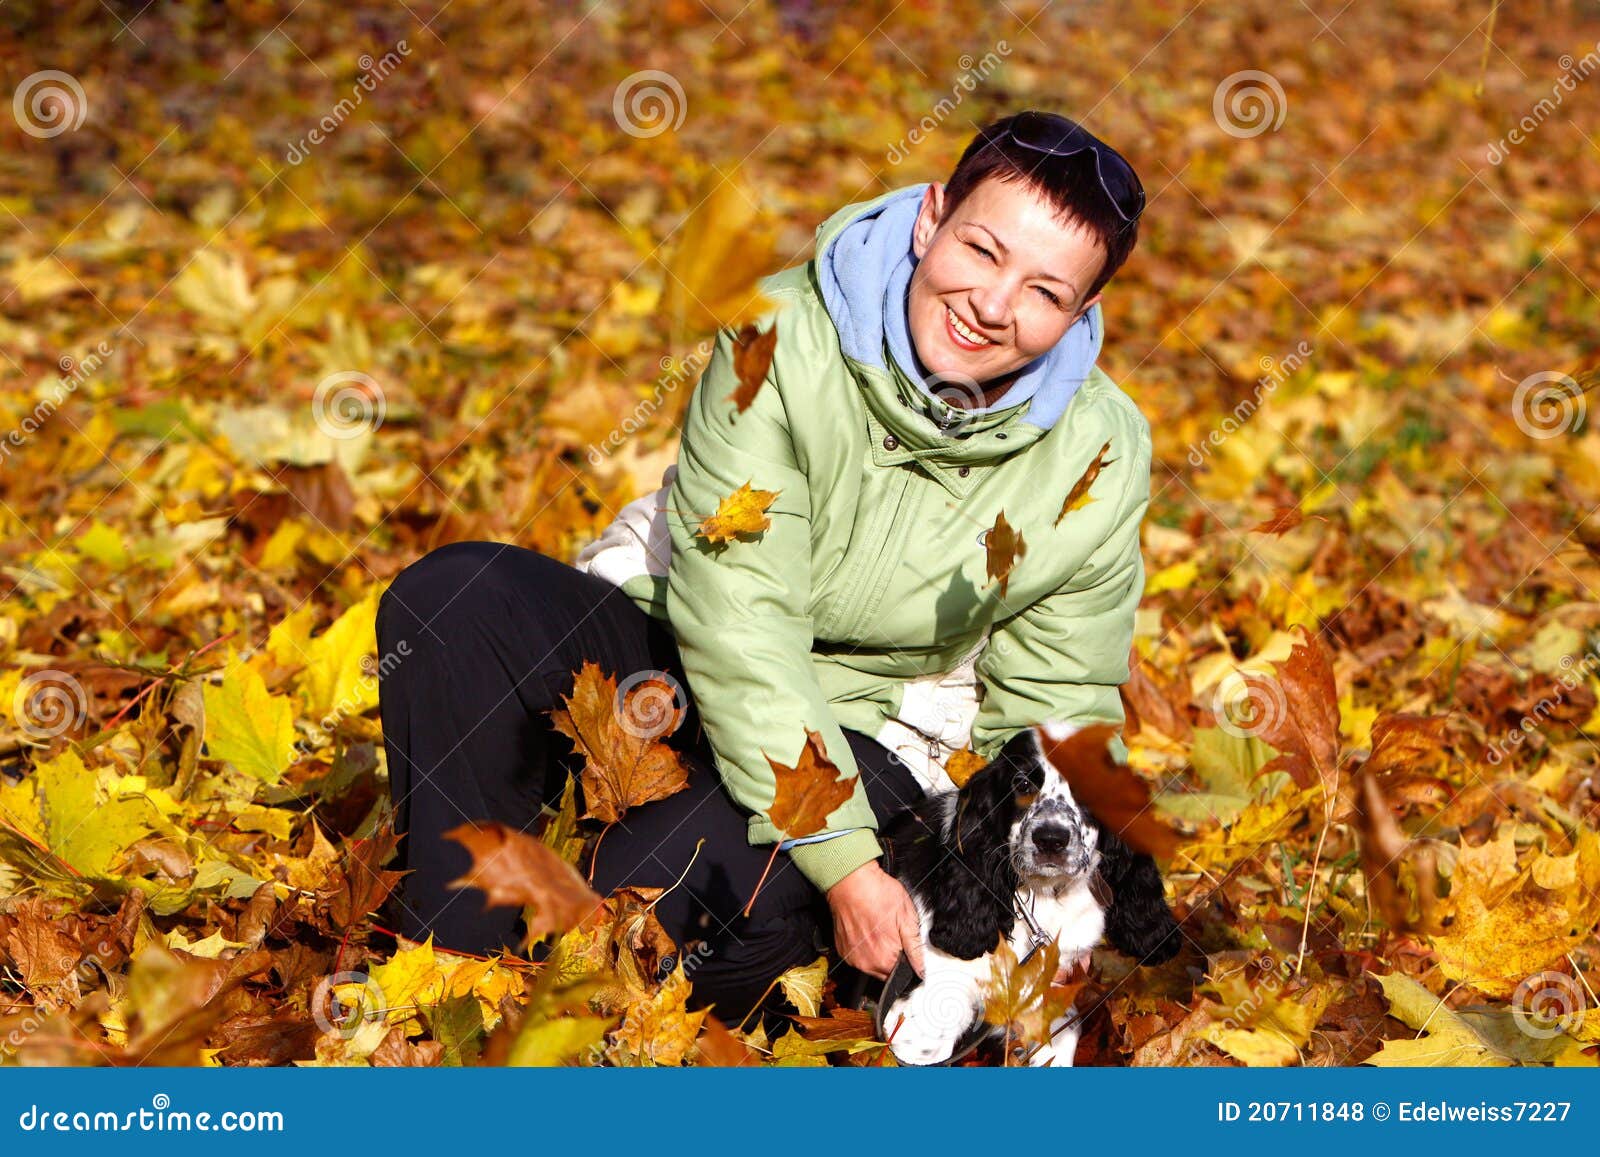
(752, 358)
(741, 513)
(515, 870)
(1078, 497)
(625, 762)
(1004, 546)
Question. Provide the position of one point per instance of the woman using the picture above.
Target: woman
(934, 369)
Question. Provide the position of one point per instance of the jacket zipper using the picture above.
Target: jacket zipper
(875, 571)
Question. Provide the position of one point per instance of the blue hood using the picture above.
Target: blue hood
(865, 272)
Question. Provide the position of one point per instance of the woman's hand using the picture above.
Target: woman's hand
(874, 919)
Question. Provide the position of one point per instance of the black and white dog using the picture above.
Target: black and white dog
(1011, 854)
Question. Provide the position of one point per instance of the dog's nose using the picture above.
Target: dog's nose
(1052, 839)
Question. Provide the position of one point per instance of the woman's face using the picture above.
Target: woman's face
(1001, 268)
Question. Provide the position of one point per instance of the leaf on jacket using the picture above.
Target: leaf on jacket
(752, 358)
(625, 762)
(1113, 792)
(1005, 546)
(808, 792)
(742, 512)
(1079, 496)
(515, 870)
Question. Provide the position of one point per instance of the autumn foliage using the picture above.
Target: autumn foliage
(240, 391)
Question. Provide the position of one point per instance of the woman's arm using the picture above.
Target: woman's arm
(740, 611)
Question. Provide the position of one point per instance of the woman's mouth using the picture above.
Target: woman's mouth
(960, 336)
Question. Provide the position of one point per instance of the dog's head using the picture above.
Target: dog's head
(1020, 803)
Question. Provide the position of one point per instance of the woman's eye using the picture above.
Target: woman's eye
(981, 250)
(1048, 296)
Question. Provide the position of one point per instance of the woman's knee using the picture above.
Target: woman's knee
(461, 577)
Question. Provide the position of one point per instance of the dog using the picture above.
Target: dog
(1010, 854)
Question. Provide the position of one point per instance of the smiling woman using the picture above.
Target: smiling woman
(932, 403)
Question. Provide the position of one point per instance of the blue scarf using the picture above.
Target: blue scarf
(865, 273)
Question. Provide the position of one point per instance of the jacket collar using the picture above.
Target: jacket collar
(861, 271)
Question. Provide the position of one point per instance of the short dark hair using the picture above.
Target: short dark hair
(1070, 184)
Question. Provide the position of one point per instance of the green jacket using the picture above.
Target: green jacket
(866, 604)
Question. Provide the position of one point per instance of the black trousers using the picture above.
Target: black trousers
(477, 642)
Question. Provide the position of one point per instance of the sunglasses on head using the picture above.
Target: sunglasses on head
(1060, 137)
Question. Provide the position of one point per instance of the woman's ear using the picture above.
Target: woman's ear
(928, 217)
(1087, 306)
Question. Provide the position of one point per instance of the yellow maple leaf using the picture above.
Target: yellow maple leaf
(803, 983)
(71, 810)
(742, 512)
(1506, 925)
(340, 679)
(247, 725)
(660, 1030)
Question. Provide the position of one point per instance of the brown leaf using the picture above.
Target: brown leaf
(808, 792)
(1078, 497)
(515, 870)
(1153, 702)
(625, 762)
(1115, 795)
(397, 1052)
(752, 358)
(742, 512)
(1383, 847)
(1004, 546)
(719, 1048)
(848, 1024)
(1283, 520)
(1298, 714)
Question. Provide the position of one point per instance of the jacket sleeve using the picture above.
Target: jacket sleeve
(740, 615)
(1063, 657)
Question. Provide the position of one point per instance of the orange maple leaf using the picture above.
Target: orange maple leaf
(515, 870)
(1005, 546)
(625, 763)
(752, 358)
(1115, 794)
(809, 791)
(742, 512)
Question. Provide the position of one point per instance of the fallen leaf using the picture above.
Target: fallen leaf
(1003, 546)
(513, 869)
(752, 358)
(1079, 497)
(741, 513)
(625, 762)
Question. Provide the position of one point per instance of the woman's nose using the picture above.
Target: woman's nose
(991, 306)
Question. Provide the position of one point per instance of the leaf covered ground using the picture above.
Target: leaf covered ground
(287, 300)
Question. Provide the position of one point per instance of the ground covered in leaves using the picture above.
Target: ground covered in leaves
(251, 371)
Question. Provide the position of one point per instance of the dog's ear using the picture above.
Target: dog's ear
(1138, 921)
(973, 888)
